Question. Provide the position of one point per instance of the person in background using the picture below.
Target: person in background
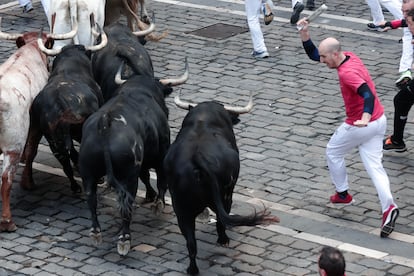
(253, 10)
(364, 127)
(297, 6)
(403, 101)
(397, 10)
(27, 5)
(331, 262)
(310, 5)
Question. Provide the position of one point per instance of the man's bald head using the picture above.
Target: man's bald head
(330, 52)
(329, 45)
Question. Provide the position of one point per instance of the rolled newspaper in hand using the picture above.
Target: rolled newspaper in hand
(314, 15)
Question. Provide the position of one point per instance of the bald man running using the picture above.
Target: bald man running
(364, 126)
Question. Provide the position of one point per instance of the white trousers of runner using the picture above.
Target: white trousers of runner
(253, 20)
(369, 141)
(394, 7)
(45, 4)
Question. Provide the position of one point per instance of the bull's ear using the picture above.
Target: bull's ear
(20, 42)
(167, 90)
(49, 43)
(234, 118)
(142, 40)
(88, 53)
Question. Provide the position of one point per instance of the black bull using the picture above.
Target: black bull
(123, 140)
(60, 109)
(201, 168)
(123, 46)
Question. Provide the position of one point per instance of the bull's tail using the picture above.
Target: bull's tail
(257, 218)
(125, 199)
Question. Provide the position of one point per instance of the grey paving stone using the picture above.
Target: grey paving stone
(92, 270)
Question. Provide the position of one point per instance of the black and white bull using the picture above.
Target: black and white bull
(202, 168)
(58, 112)
(123, 140)
(123, 47)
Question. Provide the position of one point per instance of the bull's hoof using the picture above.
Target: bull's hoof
(150, 196)
(223, 241)
(192, 270)
(157, 207)
(27, 185)
(76, 188)
(100, 181)
(124, 244)
(96, 236)
(7, 226)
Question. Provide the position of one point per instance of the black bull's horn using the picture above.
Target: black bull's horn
(169, 81)
(234, 109)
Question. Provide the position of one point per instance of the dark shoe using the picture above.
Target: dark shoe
(260, 55)
(28, 7)
(388, 220)
(380, 28)
(337, 198)
(390, 145)
(310, 5)
(296, 13)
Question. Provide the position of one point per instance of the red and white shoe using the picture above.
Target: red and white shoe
(338, 199)
(388, 220)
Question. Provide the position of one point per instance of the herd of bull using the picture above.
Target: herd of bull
(102, 92)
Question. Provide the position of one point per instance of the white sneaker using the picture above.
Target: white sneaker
(28, 7)
(404, 76)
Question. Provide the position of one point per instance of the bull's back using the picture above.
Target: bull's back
(191, 162)
(111, 136)
(25, 72)
(23, 75)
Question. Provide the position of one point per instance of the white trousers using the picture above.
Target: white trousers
(394, 7)
(369, 142)
(406, 60)
(23, 3)
(45, 4)
(253, 15)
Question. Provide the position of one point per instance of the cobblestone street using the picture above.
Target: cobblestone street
(297, 106)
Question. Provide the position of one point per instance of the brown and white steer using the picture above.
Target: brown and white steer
(22, 76)
(114, 9)
(129, 8)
